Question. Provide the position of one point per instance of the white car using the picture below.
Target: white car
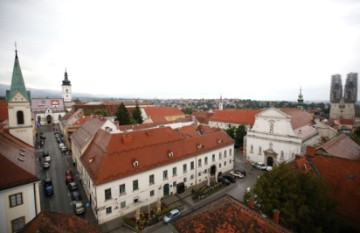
(259, 165)
(47, 159)
(269, 168)
(237, 173)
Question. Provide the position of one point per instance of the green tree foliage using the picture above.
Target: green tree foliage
(122, 115)
(240, 133)
(231, 132)
(188, 111)
(302, 199)
(97, 112)
(137, 114)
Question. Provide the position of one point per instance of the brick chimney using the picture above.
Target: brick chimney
(310, 151)
(276, 215)
(251, 203)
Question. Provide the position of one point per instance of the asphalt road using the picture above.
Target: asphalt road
(61, 200)
(236, 190)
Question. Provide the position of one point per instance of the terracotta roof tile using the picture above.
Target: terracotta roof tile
(163, 114)
(342, 146)
(343, 178)
(15, 169)
(111, 156)
(226, 215)
(299, 117)
(3, 110)
(86, 133)
(236, 116)
(202, 117)
(56, 222)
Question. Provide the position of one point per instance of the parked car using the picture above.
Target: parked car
(42, 137)
(69, 176)
(269, 168)
(61, 145)
(237, 173)
(46, 165)
(223, 180)
(47, 159)
(48, 187)
(78, 207)
(75, 195)
(231, 178)
(64, 149)
(259, 165)
(242, 171)
(172, 215)
(72, 186)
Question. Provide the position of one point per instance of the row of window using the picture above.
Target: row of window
(122, 187)
(260, 151)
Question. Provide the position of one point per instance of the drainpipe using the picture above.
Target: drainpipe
(34, 188)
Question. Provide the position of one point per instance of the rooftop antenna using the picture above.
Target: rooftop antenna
(15, 49)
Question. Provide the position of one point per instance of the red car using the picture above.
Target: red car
(69, 176)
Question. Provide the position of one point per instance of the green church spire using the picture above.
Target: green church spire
(17, 82)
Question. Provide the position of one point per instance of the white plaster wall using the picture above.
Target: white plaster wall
(27, 209)
(143, 193)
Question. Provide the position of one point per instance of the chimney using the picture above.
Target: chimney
(310, 151)
(251, 203)
(116, 124)
(276, 215)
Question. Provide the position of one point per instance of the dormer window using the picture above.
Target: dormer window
(200, 146)
(220, 141)
(136, 163)
(170, 154)
(91, 159)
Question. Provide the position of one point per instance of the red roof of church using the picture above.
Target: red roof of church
(111, 156)
(299, 117)
(17, 161)
(236, 116)
(225, 215)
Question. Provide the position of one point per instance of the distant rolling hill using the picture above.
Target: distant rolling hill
(42, 93)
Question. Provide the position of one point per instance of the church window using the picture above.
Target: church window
(271, 127)
(67, 91)
(282, 156)
(260, 150)
(20, 117)
(251, 149)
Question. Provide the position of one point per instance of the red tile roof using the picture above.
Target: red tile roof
(111, 156)
(48, 221)
(159, 114)
(15, 169)
(87, 131)
(343, 178)
(236, 116)
(299, 117)
(226, 215)
(202, 117)
(3, 110)
(342, 146)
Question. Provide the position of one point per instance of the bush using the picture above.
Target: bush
(129, 222)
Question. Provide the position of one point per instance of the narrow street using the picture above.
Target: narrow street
(61, 200)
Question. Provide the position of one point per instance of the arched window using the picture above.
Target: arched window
(20, 117)
(260, 150)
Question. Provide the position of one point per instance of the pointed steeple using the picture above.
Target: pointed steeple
(300, 99)
(66, 81)
(17, 82)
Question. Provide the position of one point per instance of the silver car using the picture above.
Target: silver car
(78, 207)
(172, 215)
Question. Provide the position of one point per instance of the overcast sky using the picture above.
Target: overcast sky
(255, 49)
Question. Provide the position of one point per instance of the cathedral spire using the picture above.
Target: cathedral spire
(66, 81)
(17, 81)
(300, 99)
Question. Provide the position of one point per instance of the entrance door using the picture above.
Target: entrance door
(49, 119)
(213, 170)
(270, 161)
(166, 190)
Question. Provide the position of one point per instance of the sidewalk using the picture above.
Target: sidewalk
(184, 200)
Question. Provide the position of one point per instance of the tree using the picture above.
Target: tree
(240, 133)
(137, 114)
(188, 111)
(122, 115)
(231, 132)
(303, 199)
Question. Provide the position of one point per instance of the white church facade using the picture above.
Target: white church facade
(280, 134)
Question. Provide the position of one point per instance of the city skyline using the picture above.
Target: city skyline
(204, 49)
